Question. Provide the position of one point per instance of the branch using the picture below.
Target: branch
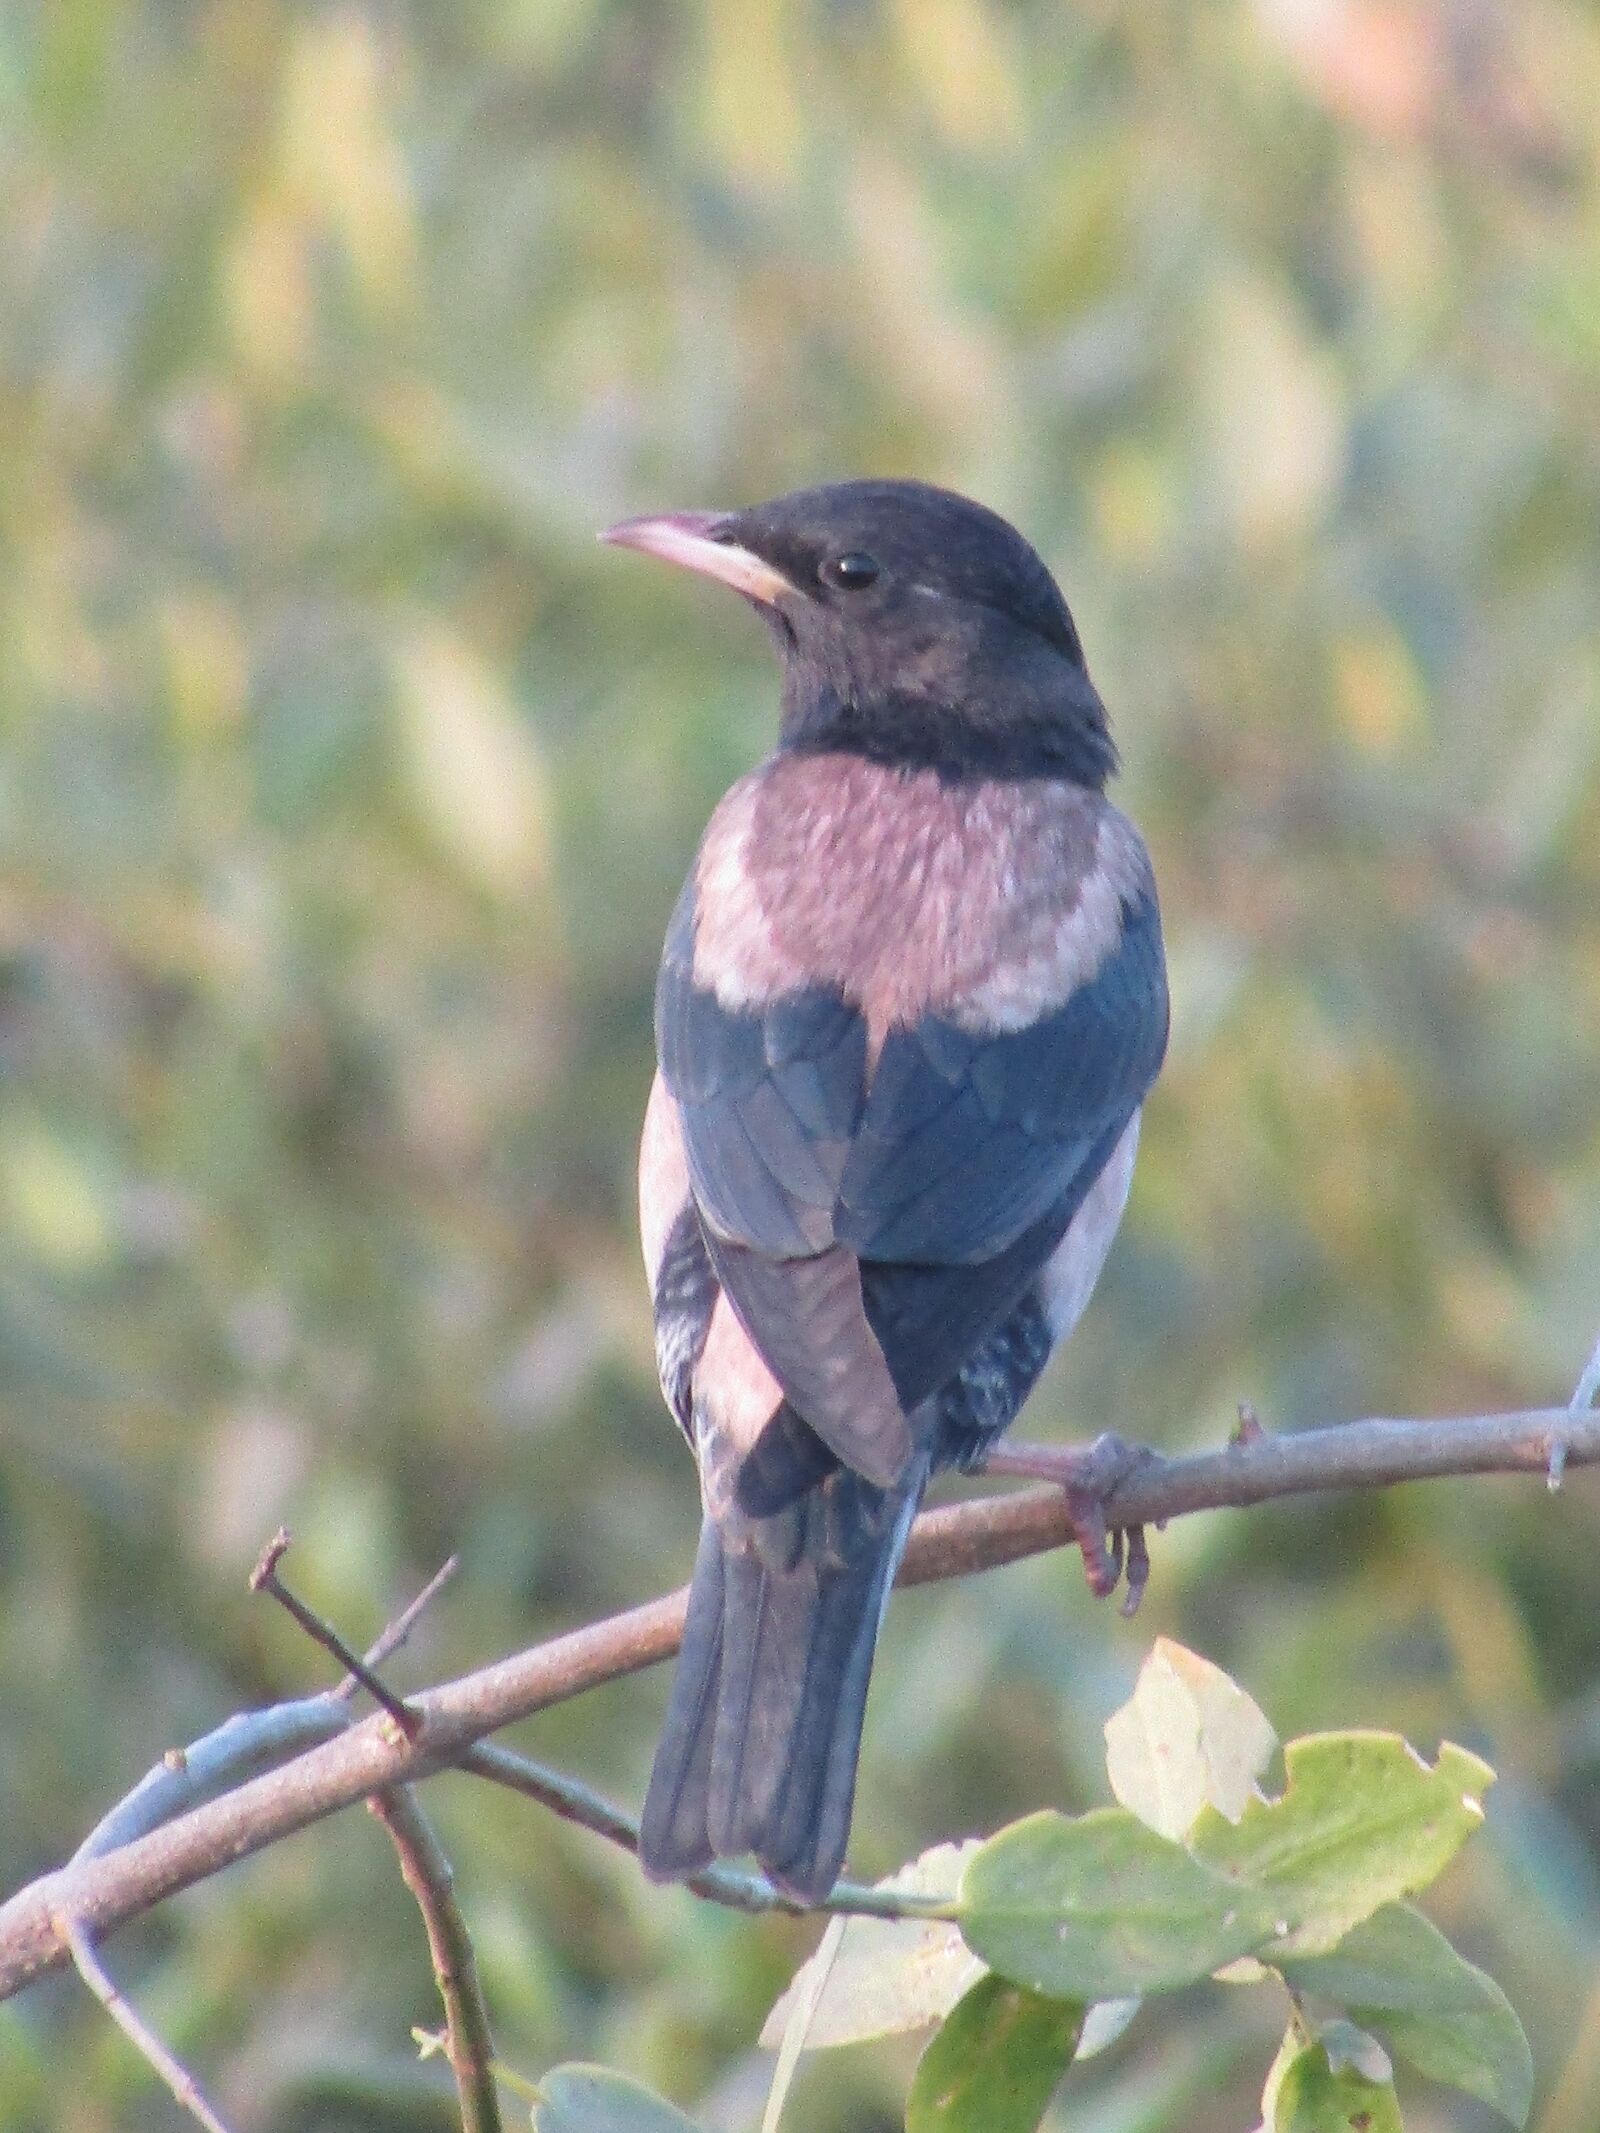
(133, 2026)
(576, 1802)
(427, 1873)
(105, 1891)
(185, 1778)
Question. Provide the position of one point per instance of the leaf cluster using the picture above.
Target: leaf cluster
(1037, 1948)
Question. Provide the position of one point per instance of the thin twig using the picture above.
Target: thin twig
(1588, 1387)
(138, 2032)
(396, 1632)
(576, 1802)
(428, 1875)
(1584, 1395)
(265, 1578)
(952, 1542)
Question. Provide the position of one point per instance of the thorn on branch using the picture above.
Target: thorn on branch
(1584, 1395)
(133, 2026)
(1248, 1429)
(265, 1578)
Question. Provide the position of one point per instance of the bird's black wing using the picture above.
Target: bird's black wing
(770, 1096)
(971, 1136)
(950, 1179)
(976, 1151)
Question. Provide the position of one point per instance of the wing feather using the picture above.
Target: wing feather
(871, 1228)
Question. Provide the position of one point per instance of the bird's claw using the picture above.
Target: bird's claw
(1120, 1555)
(1088, 1476)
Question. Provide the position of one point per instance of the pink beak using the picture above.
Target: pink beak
(687, 538)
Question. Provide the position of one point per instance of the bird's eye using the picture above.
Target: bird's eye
(851, 571)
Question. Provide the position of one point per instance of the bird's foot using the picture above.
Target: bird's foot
(1087, 1476)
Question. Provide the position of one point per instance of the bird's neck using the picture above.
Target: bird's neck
(961, 743)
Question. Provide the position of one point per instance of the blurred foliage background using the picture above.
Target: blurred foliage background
(345, 787)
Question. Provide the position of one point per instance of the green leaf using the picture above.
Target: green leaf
(1305, 2094)
(1399, 1976)
(1187, 1737)
(52, 1199)
(1256, 355)
(889, 1975)
(471, 761)
(591, 2099)
(1362, 1821)
(995, 2064)
(1101, 1906)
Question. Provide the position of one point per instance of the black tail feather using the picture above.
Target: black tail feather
(805, 1842)
(673, 1840)
(764, 1727)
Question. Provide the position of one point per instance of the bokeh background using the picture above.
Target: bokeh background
(345, 786)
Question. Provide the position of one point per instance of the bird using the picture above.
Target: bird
(910, 1004)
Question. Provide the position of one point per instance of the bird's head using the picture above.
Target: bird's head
(915, 627)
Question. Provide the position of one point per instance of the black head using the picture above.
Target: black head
(915, 627)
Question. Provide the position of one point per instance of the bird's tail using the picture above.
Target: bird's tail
(759, 1749)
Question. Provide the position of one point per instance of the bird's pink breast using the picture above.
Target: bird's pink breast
(986, 903)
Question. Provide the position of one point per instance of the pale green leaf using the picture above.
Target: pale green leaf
(1399, 1976)
(750, 115)
(592, 2099)
(340, 154)
(1100, 1906)
(995, 2064)
(1153, 1756)
(795, 2029)
(1362, 1820)
(470, 760)
(888, 1975)
(1188, 1736)
(954, 51)
(1305, 2094)
(51, 1198)
(1267, 410)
